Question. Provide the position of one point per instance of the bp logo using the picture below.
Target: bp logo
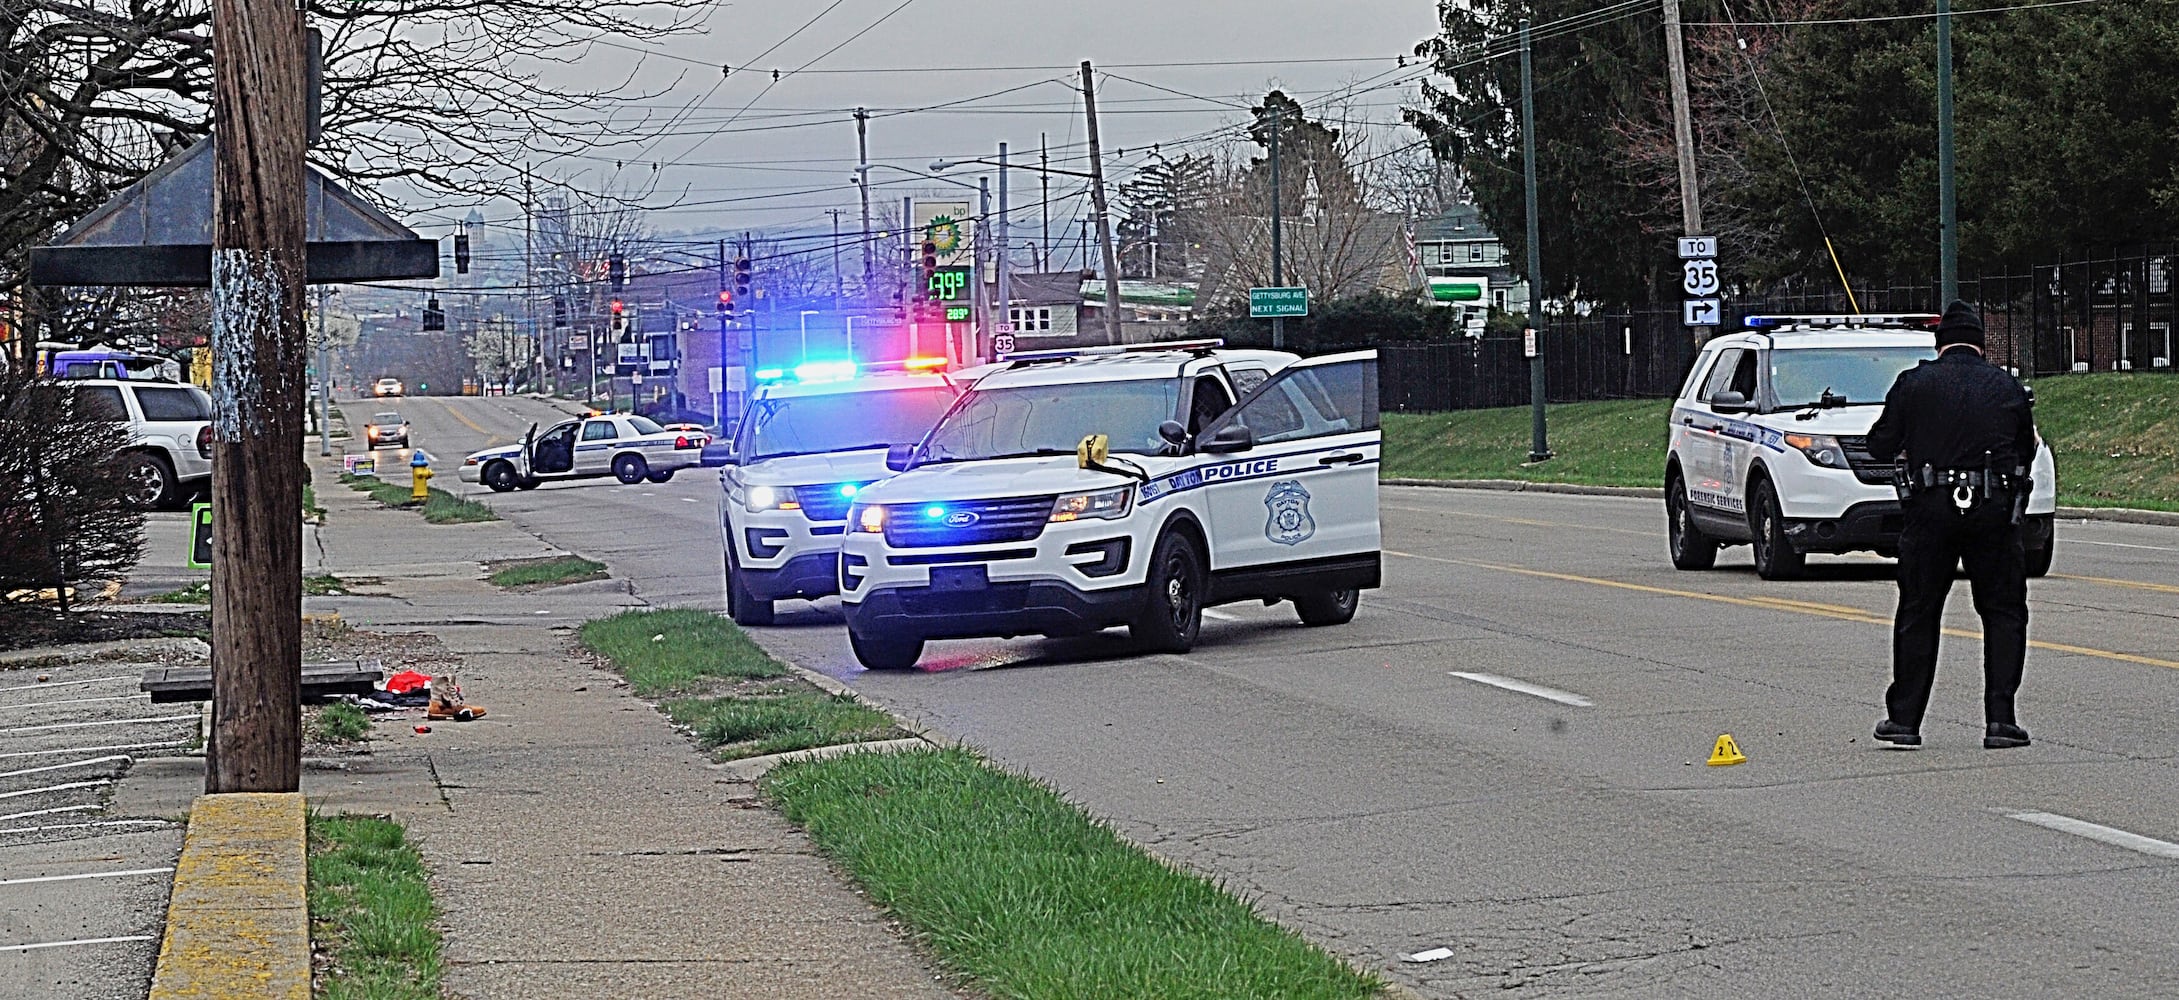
(1289, 523)
(944, 232)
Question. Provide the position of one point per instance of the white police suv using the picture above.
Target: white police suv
(1769, 444)
(1071, 491)
(810, 440)
(629, 448)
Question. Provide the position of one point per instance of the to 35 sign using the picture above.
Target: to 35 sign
(1698, 277)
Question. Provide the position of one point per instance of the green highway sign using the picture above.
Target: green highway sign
(1267, 303)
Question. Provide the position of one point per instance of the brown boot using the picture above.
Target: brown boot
(447, 703)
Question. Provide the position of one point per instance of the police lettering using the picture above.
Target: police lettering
(1241, 470)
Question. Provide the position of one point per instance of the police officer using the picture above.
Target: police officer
(1965, 436)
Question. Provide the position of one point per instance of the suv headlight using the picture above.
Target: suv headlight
(760, 498)
(1108, 505)
(1821, 449)
(867, 518)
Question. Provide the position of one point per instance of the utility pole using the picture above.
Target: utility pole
(1539, 447)
(974, 347)
(1278, 254)
(1044, 209)
(837, 286)
(1097, 201)
(862, 181)
(724, 318)
(325, 389)
(1948, 212)
(1006, 297)
(529, 281)
(258, 215)
(1683, 133)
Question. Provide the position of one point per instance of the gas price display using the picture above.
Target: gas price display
(949, 284)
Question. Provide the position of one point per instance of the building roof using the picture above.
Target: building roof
(1460, 222)
(1045, 288)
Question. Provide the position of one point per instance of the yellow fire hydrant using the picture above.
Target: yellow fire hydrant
(420, 477)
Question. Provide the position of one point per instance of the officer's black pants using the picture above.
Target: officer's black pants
(1938, 536)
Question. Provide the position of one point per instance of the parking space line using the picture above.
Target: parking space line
(57, 684)
(1524, 687)
(79, 941)
(2102, 834)
(54, 788)
(80, 876)
(162, 744)
(87, 725)
(75, 701)
(49, 812)
(1839, 612)
(62, 767)
(97, 824)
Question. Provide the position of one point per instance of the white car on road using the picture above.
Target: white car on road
(631, 449)
(1072, 491)
(805, 448)
(1769, 445)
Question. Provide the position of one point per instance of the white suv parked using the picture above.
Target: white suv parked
(1770, 445)
(169, 455)
(1072, 491)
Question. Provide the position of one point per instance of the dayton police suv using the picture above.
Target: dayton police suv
(1070, 491)
(1770, 444)
(810, 441)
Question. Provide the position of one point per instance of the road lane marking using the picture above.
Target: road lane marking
(1524, 687)
(2121, 545)
(53, 788)
(2162, 588)
(130, 873)
(97, 824)
(466, 422)
(1839, 612)
(2102, 834)
(49, 812)
(688, 499)
(70, 944)
(63, 767)
(1520, 520)
(1220, 616)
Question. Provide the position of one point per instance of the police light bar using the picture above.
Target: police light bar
(824, 371)
(1206, 344)
(768, 374)
(906, 365)
(1854, 320)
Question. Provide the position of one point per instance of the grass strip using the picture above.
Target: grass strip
(371, 912)
(311, 510)
(550, 571)
(340, 722)
(440, 507)
(779, 719)
(678, 651)
(199, 592)
(1027, 897)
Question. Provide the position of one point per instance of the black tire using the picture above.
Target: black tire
(1332, 607)
(529, 483)
(1172, 610)
(741, 605)
(885, 654)
(630, 469)
(1691, 549)
(1775, 556)
(659, 475)
(150, 480)
(2039, 556)
(500, 477)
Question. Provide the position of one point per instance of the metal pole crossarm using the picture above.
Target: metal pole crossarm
(938, 165)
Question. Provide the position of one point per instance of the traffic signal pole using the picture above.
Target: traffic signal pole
(258, 99)
(1278, 249)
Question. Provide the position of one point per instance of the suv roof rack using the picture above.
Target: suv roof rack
(1842, 321)
(1203, 346)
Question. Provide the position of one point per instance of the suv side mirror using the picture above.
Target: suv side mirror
(1730, 402)
(718, 453)
(1227, 440)
(898, 456)
(1173, 432)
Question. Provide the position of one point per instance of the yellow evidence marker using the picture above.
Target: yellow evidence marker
(1726, 752)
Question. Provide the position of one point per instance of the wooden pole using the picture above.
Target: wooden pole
(257, 396)
(1104, 221)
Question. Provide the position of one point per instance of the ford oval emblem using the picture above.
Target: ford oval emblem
(962, 519)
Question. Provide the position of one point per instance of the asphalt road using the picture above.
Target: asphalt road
(1503, 755)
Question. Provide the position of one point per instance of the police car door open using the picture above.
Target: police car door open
(1305, 488)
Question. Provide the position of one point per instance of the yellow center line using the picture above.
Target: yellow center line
(1840, 612)
(2162, 588)
(1519, 520)
(466, 422)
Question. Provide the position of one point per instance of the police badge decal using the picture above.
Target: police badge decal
(1289, 523)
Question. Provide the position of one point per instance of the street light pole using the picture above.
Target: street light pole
(862, 177)
(1278, 255)
(1006, 298)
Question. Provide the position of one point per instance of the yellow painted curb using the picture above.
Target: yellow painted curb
(237, 924)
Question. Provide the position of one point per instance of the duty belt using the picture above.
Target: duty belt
(1969, 487)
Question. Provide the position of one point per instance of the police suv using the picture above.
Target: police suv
(810, 441)
(1071, 491)
(629, 448)
(1769, 444)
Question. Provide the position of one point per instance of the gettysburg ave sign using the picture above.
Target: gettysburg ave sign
(1270, 303)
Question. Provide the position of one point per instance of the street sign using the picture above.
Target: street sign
(1702, 312)
(1698, 277)
(1002, 343)
(200, 536)
(578, 342)
(637, 378)
(737, 379)
(717, 376)
(1267, 303)
(1692, 247)
(1528, 342)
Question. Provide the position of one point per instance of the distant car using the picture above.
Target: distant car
(629, 448)
(387, 430)
(691, 429)
(169, 455)
(389, 386)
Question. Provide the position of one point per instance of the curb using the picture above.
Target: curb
(2123, 515)
(752, 768)
(237, 921)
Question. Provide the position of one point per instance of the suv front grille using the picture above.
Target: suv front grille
(1866, 467)
(824, 502)
(1014, 519)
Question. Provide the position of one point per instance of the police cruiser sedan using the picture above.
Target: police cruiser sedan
(629, 448)
(1769, 445)
(1072, 491)
(811, 439)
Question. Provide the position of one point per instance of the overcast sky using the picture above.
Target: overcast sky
(787, 158)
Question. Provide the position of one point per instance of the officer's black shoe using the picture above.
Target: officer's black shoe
(2004, 735)
(1906, 736)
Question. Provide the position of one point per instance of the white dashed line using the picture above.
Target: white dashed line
(2102, 834)
(2121, 545)
(130, 873)
(1524, 687)
(71, 944)
(688, 499)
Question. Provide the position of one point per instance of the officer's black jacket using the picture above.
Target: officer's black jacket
(1949, 412)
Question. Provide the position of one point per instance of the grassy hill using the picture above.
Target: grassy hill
(2115, 436)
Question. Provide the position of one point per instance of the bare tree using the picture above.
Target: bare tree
(65, 516)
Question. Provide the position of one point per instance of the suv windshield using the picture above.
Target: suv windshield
(843, 421)
(1862, 375)
(1053, 419)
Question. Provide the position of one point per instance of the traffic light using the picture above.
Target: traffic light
(930, 271)
(559, 312)
(434, 317)
(744, 273)
(461, 253)
(726, 304)
(616, 269)
(620, 319)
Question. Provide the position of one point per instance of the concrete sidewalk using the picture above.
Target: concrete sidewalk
(578, 845)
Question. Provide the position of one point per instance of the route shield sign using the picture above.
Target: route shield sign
(1269, 303)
